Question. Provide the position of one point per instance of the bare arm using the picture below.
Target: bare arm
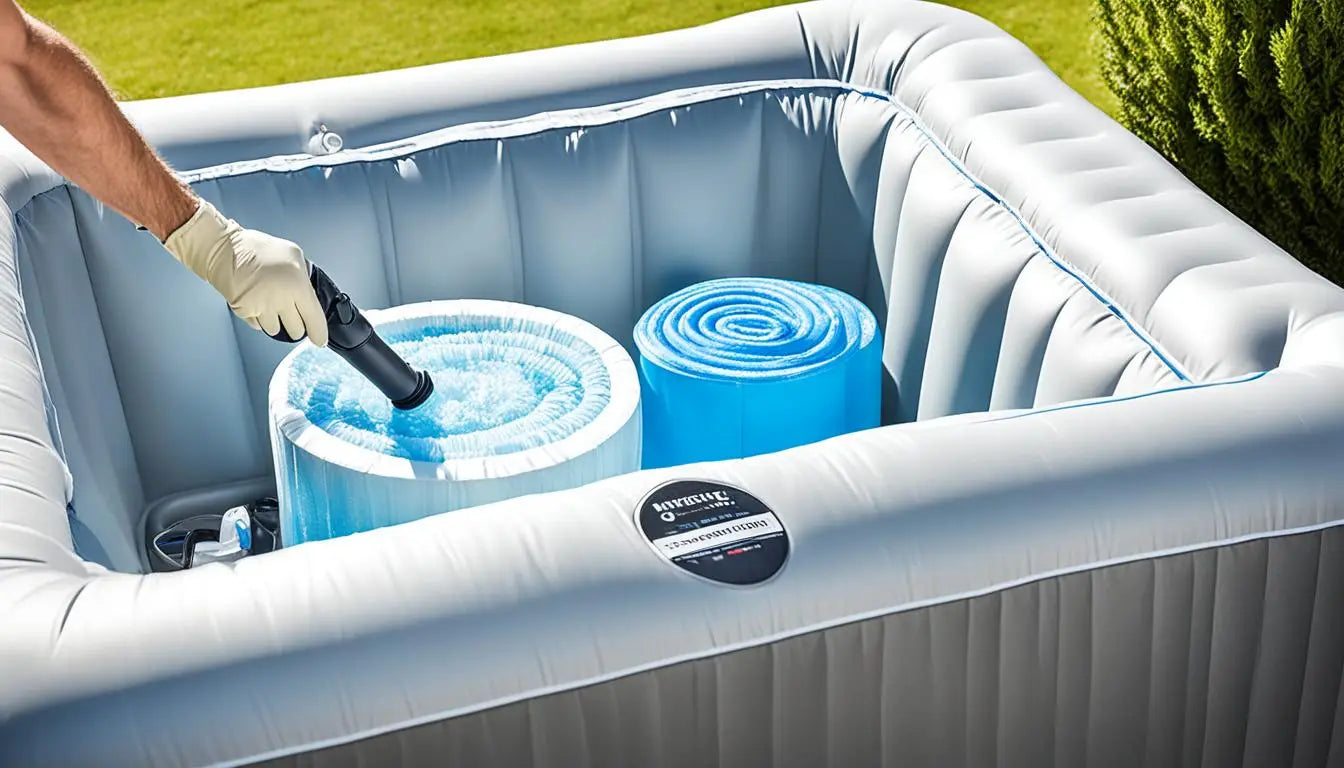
(53, 101)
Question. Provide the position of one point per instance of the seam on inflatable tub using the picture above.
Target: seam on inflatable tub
(808, 46)
(1059, 261)
(612, 113)
(635, 210)
(381, 203)
(102, 327)
(513, 213)
(777, 637)
(48, 402)
(1137, 396)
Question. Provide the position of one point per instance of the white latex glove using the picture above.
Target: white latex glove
(264, 278)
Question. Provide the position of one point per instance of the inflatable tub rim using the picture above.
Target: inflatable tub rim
(293, 424)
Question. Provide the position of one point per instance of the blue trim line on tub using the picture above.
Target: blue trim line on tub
(621, 111)
(1109, 400)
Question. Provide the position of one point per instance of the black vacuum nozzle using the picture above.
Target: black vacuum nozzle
(351, 336)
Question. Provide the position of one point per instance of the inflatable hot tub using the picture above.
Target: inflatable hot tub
(1099, 524)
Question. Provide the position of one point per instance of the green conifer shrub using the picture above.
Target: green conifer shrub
(1246, 97)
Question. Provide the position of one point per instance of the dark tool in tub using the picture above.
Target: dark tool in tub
(351, 336)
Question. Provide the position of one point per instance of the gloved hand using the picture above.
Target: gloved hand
(264, 278)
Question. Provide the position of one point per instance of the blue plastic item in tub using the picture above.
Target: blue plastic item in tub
(742, 366)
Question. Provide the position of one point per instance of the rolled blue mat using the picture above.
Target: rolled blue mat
(526, 400)
(742, 366)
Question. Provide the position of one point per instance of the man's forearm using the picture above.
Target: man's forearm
(54, 102)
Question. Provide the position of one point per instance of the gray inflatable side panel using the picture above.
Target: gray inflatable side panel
(1053, 672)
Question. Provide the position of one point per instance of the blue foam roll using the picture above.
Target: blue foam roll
(526, 400)
(743, 366)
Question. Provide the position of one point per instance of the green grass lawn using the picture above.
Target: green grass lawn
(150, 48)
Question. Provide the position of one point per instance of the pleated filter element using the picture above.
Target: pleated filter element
(526, 400)
(742, 366)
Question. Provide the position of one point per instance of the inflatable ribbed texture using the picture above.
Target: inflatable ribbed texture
(742, 366)
(525, 400)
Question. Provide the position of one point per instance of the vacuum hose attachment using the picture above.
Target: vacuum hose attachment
(351, 336)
